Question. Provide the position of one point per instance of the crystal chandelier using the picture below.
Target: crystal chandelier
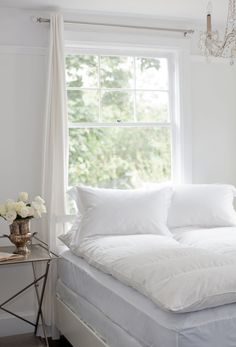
(210, 43)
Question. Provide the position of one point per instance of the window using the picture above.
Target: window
(121, 119)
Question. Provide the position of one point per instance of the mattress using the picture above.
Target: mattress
(110, 332)
(136, 315)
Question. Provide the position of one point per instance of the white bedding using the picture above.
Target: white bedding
(126, 318)
(221, 240)
(177, 277)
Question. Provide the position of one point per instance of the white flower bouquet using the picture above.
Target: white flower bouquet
(22, 209)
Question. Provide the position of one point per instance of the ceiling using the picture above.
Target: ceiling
(181, 9)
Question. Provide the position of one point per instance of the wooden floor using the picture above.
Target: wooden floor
(29, 340)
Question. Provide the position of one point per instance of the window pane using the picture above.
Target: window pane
(152, 106)
(117, 72)
(117, 106)
(82, 71)
(152, 73)
(83, 106)
(119, 157)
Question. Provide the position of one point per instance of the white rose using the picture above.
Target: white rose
(23, 196)
(39, 200)
(39, 207)
(10, 205)
(19, 206)
(37, 214)
(2, 209)
(42, 209)
(24, 212)
(10, 216)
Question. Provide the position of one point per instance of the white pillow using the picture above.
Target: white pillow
(206, 205)
(121, 212)
(68, 237)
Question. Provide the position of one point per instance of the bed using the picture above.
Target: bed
(122, 317)
(95, 308)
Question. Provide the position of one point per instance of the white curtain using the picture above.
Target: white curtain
(55, 144)
(55, 152)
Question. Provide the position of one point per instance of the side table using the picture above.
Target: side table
(38, 254)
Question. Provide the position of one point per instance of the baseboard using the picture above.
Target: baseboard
(10, 325)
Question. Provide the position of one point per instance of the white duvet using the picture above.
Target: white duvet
(221, 240)
(177, 277)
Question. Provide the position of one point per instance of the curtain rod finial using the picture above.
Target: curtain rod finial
(36, 19)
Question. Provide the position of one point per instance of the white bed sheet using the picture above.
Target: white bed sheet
(139, 317)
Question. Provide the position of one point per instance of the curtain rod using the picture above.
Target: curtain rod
(184, 31)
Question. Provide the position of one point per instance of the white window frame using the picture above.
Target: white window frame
(178, 173)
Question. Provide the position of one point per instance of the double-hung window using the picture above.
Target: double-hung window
(121, 118)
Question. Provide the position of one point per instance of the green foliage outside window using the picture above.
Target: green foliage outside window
(124, 89)
(119, 157)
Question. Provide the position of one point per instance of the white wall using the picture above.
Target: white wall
(22, 101)
(213, 121)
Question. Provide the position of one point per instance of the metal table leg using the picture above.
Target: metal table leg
(40, 297)
(17, 294)
(40, 301)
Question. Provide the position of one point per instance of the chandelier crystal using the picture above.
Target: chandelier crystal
(210, 43)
